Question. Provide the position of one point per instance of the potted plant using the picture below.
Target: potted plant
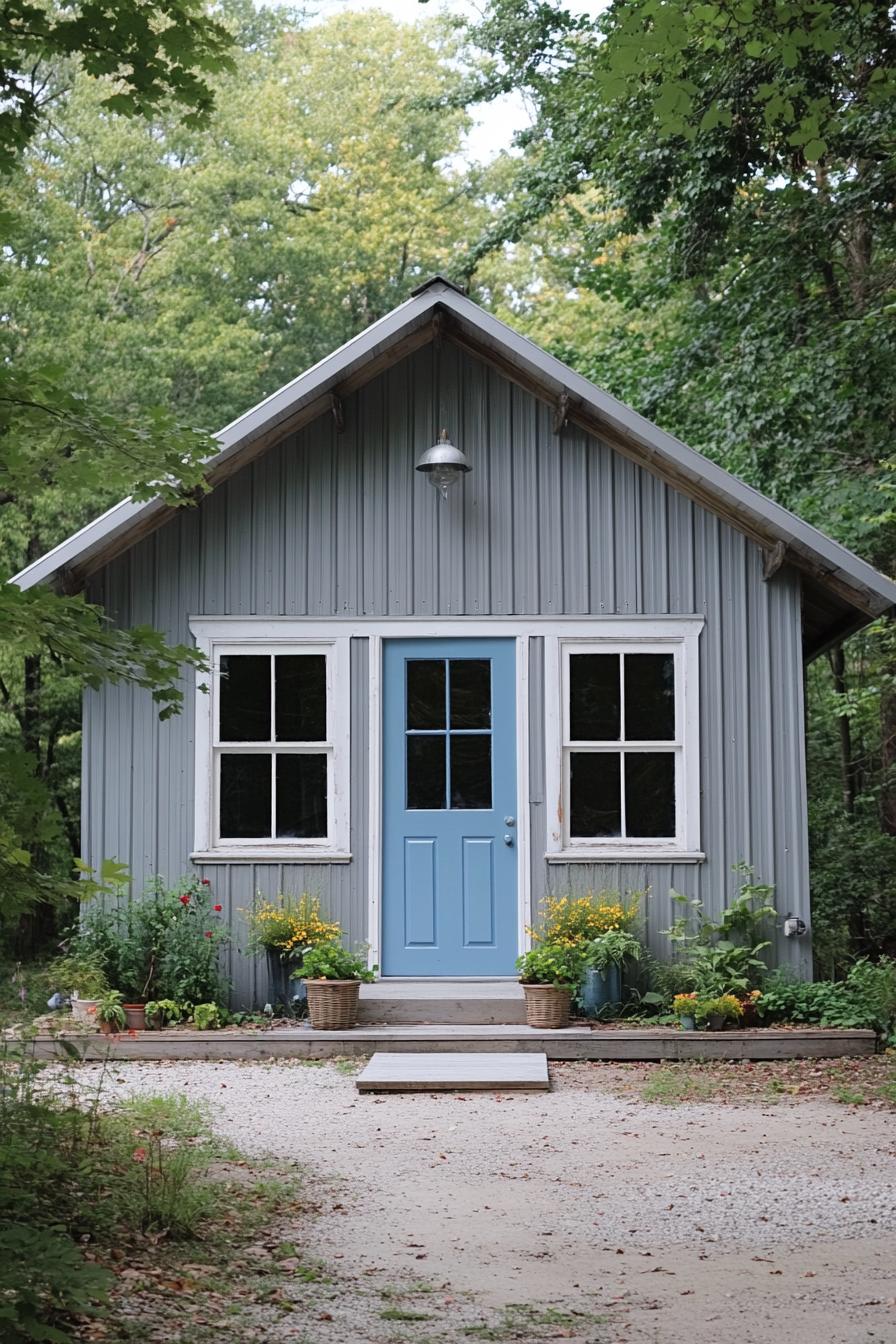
(718, 1012)
(750, 1008)
(81, 978)
(285, 930)
(549, 973)
(604, 957)
(333, 978)
(162, 1012)
(684, 1006)
(110, 1013)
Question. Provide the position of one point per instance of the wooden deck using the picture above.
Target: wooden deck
(576, 1042)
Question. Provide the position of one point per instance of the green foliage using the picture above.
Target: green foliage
(552, 964)
(671, 1084)
(332, 961)
(164, 945)
(162, 1012)
(109, 1010)
(726, 1006)
(722, 956)
(579, 918)
(44, 1278)
(865, 999)
(611, 949)
(78, 973)
(207, 1016)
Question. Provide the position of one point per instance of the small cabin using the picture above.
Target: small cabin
(477, 632)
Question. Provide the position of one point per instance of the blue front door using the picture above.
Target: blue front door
(449, 804)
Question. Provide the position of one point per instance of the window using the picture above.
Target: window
(273, 757)
(624, 756)
(448, 734)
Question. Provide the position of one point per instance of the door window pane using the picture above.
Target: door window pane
(301, 697)
(594, 697)
(245, 698)
(245, 796)
(649, 697)
(595, 794)
(650, 793)
(471, 770)
(471, 692)
(302, 796)
(426, 772)
(426, 693)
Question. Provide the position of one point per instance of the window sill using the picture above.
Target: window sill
(626, 856)
(269, 856)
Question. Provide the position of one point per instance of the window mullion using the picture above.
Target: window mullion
(623, 827)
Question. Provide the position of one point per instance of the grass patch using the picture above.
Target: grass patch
(398, 1314)
(531, 1323)
(672, 1085)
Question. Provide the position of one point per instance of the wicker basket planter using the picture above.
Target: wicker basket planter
(547, 1006)
(333, 1004)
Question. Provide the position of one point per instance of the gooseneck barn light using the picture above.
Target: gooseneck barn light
(443, 464)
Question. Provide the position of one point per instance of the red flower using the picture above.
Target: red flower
(206, 882)
(208, 933)
(219, 908)
(139, 1154)
(185, 900)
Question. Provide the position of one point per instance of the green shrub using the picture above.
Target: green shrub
(553, 964)
(723, 955)
(43, 1279)
(163, 946)
(332, 961)
(865, 999)
(611, 949)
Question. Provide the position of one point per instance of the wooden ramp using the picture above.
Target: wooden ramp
(454, 1071)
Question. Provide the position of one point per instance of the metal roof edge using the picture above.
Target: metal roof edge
(376, 339)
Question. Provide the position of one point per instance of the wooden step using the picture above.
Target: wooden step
(455, 1071)
(443, 1002)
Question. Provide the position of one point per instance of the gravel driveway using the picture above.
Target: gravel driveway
(694, 1222)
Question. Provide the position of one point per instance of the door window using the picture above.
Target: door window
(448, 734)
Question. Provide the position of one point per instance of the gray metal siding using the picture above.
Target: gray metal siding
(340, 524)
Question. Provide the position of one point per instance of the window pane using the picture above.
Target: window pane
(471, 693)
(593, 697)
(649, 697)
(594, 794)
(471, 771)
(245, 796)
(245, 698)
(426, 772)
(302, 796)
(650, 793)
(301, 697)
(426, 693)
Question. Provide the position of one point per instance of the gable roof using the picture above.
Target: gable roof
(841, 593)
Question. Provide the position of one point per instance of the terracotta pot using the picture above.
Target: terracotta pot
(547, 1006)
(333, 1004)
(134, 1016)
(109, 1028)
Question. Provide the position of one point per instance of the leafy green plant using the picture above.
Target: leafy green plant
(332, 961)
(161, 1012)
(208, 1016)
(110, 1011)
(722, 956)
(611, 949)
(725, 1006)
(164, 945)
(78, 973)
(685, 1005)
(552, 964)
(865, 999)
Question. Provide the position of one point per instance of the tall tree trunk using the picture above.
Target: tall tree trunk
(847, 764)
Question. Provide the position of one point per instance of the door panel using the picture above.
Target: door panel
(449, 799)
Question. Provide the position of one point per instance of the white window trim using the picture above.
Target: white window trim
(216, 638)
(681, 638)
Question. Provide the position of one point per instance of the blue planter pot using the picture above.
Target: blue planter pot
(283, 992)
(688, 1022)
(602, 992)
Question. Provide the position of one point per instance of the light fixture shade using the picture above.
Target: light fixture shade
(443, 464)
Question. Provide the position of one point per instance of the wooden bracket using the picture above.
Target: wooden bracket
(561, 412)
(338, 415)
(773, 560)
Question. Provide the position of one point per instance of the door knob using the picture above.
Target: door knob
(510, 821)
(508, 838)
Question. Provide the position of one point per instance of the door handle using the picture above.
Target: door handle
(508, 838)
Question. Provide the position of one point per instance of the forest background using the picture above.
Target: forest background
(700, 218)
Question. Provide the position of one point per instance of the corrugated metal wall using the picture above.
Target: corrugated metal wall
(340, 524)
